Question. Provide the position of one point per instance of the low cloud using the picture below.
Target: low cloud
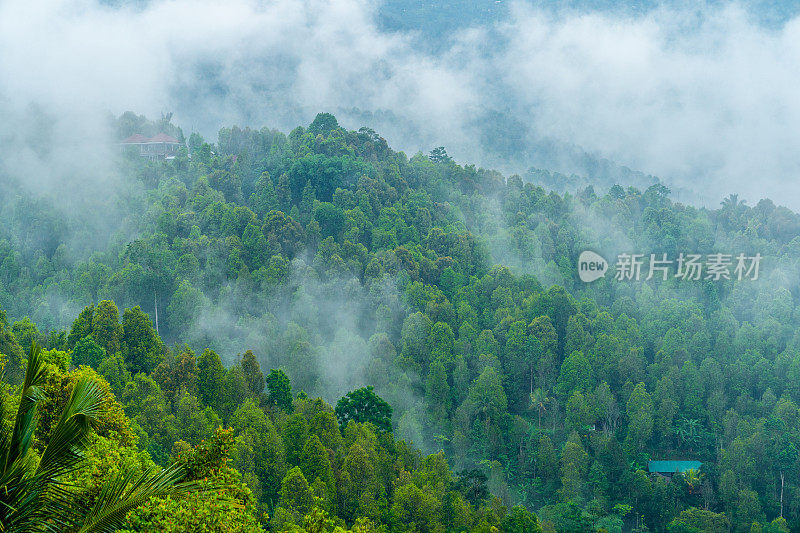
(701, 96)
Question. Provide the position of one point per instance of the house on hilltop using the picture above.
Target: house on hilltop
(162, 146)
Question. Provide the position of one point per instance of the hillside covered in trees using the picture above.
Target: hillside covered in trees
(334, 335)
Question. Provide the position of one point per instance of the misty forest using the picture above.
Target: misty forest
(313, 332)
(399, 266)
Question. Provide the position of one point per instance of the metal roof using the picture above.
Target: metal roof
(670, 467)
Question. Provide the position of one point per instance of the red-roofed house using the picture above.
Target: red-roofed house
(162, 146)
(136, 138)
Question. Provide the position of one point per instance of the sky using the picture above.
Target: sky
(701, 95)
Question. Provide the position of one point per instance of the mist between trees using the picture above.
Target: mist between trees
(328, 262)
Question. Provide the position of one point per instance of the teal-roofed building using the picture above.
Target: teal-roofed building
(668, 468)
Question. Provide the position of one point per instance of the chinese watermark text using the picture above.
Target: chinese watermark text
(685, 266)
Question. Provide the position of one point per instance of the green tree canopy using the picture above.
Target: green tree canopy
(363, 405)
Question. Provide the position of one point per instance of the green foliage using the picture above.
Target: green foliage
(113, 369)
(315, 464)
(520, 520)
(295, 495)
(640, 418)
(252, 373)
(330, 218)
(347, 264)
(323, 124)
(211, 379)
(363, 405)
(26, 332)
(142, 347)
(88, 352)
(58, 358)
(264, 199)
(81, 326)
(106, 328)
(576, 374)
(697, 520)
(280, 390)
(224, 503)
(36, 495)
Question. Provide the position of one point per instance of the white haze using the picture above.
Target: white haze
(702, 97)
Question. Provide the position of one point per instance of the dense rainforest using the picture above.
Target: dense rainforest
(335, 336)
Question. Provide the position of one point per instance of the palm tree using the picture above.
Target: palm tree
(539, 400)
(731, 209)
(33, 496)
(731, 202)
(693, 479)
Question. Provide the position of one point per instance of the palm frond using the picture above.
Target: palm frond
(126, 492)
(24, 425)
(5, 432)
(27, 491)
(68, 442)
(33, 497)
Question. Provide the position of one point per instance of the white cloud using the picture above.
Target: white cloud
(705, 97)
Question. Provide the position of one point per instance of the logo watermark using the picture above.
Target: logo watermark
(687, 267)
(591, 266)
